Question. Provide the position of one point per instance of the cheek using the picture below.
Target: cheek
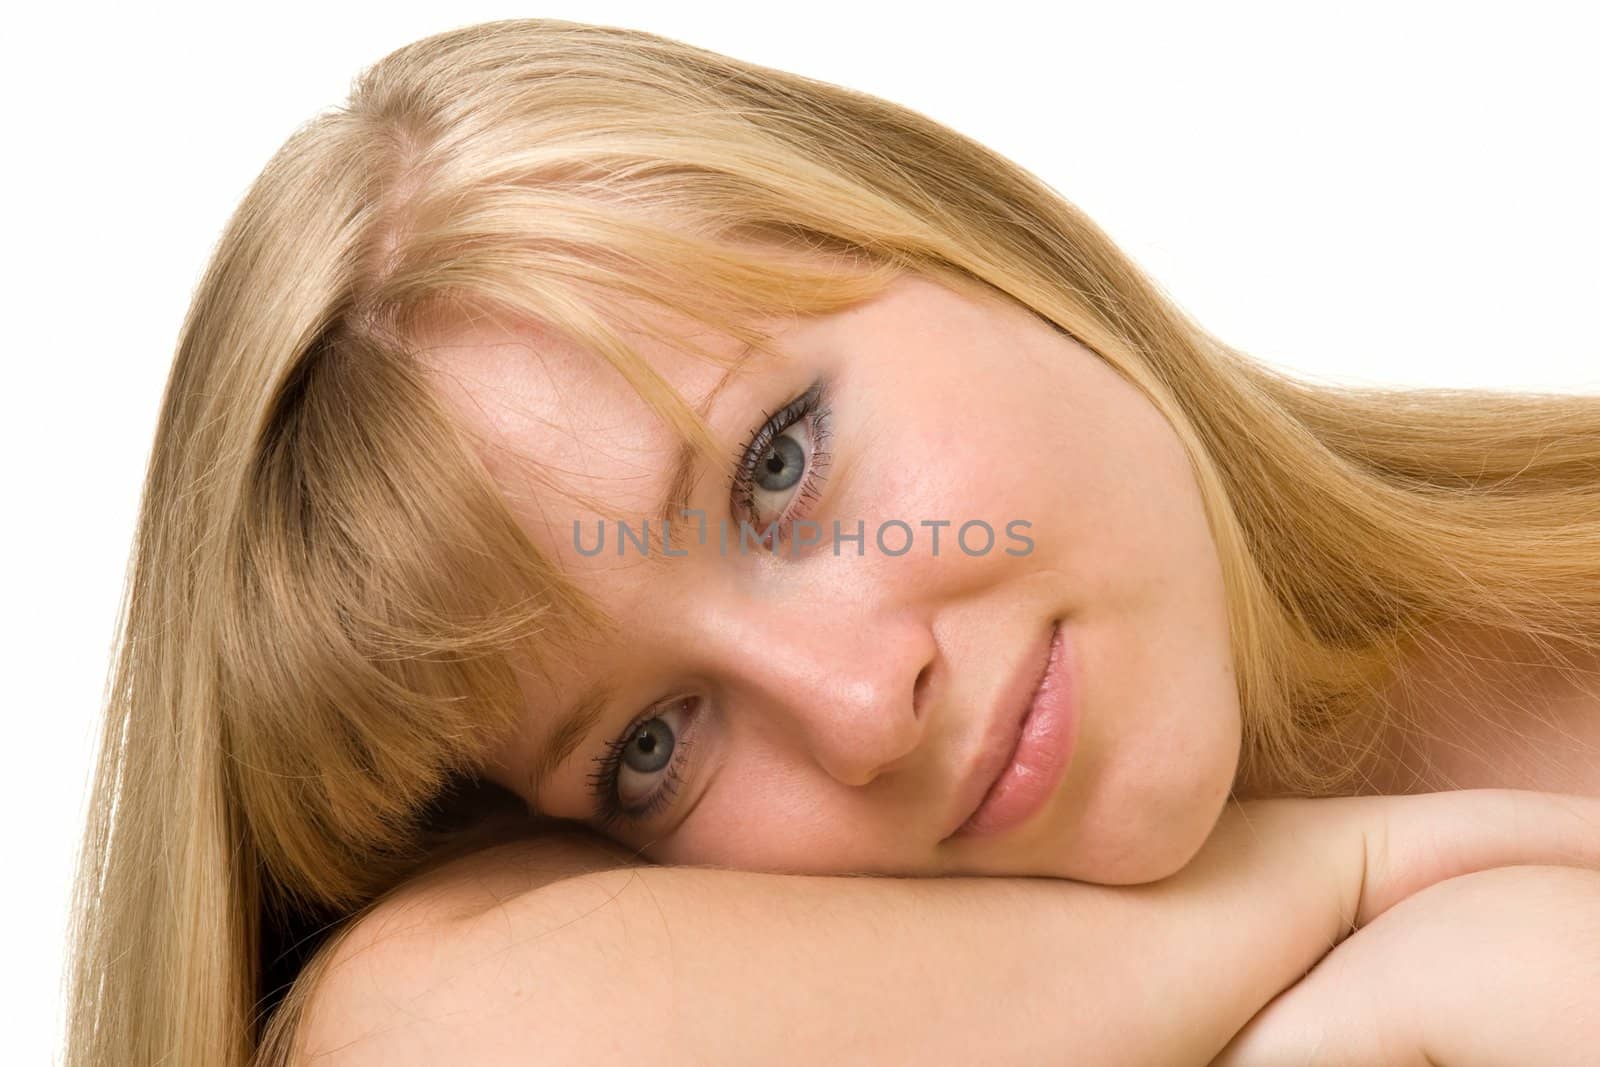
(927, 457)
(761, 814)
(1040, 433)
(1160, 744)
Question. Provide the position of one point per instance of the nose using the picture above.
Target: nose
(849, 681)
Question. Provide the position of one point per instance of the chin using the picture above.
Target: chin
(1146, 839)
(1164, 860)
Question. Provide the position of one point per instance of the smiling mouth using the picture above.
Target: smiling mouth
(1004, 732)
(1042, 754)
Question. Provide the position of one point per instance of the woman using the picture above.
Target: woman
(379, 560)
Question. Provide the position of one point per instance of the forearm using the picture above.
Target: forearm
(1031, 971)
(698, 966)
(711, 966)
(930, 971)
(686, 965)
(730, 967)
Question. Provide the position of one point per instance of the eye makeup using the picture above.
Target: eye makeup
(771, 463)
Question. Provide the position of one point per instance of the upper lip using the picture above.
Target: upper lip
(1001, 730)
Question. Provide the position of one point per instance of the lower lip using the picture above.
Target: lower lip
(1043, 751)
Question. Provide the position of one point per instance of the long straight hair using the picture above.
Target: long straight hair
(327, 592)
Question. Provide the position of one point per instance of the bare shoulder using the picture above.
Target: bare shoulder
(379, 970)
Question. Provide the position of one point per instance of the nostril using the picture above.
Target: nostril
(920, 689)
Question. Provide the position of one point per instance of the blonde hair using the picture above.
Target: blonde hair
(327, 590)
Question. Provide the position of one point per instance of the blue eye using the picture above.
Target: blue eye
(620, 786)
(782, 462)
(640, 771)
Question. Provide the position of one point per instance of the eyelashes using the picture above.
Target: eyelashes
(771, 464)
(605, 782)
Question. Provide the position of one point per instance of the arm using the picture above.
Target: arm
(1500, 966)
(686, 965)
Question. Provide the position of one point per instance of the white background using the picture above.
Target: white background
(1386, 192)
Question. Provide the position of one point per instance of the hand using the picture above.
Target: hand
(1496, 967)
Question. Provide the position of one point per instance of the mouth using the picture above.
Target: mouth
(1003, 733)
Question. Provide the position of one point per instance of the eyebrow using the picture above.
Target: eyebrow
(686, 462)
(572, 726)
(575, 723)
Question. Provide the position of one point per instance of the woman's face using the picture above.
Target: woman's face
(821, 707)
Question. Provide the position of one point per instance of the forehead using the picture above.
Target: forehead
(556, 425)
(555, 420)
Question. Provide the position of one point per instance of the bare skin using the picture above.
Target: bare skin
(1486, 710)
(1484, 969)
(1405, 991)
(587, 958)
(842, 699)
(1520, 724)
(833, 753)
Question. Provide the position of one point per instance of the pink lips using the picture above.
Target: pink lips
(1039, 755)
